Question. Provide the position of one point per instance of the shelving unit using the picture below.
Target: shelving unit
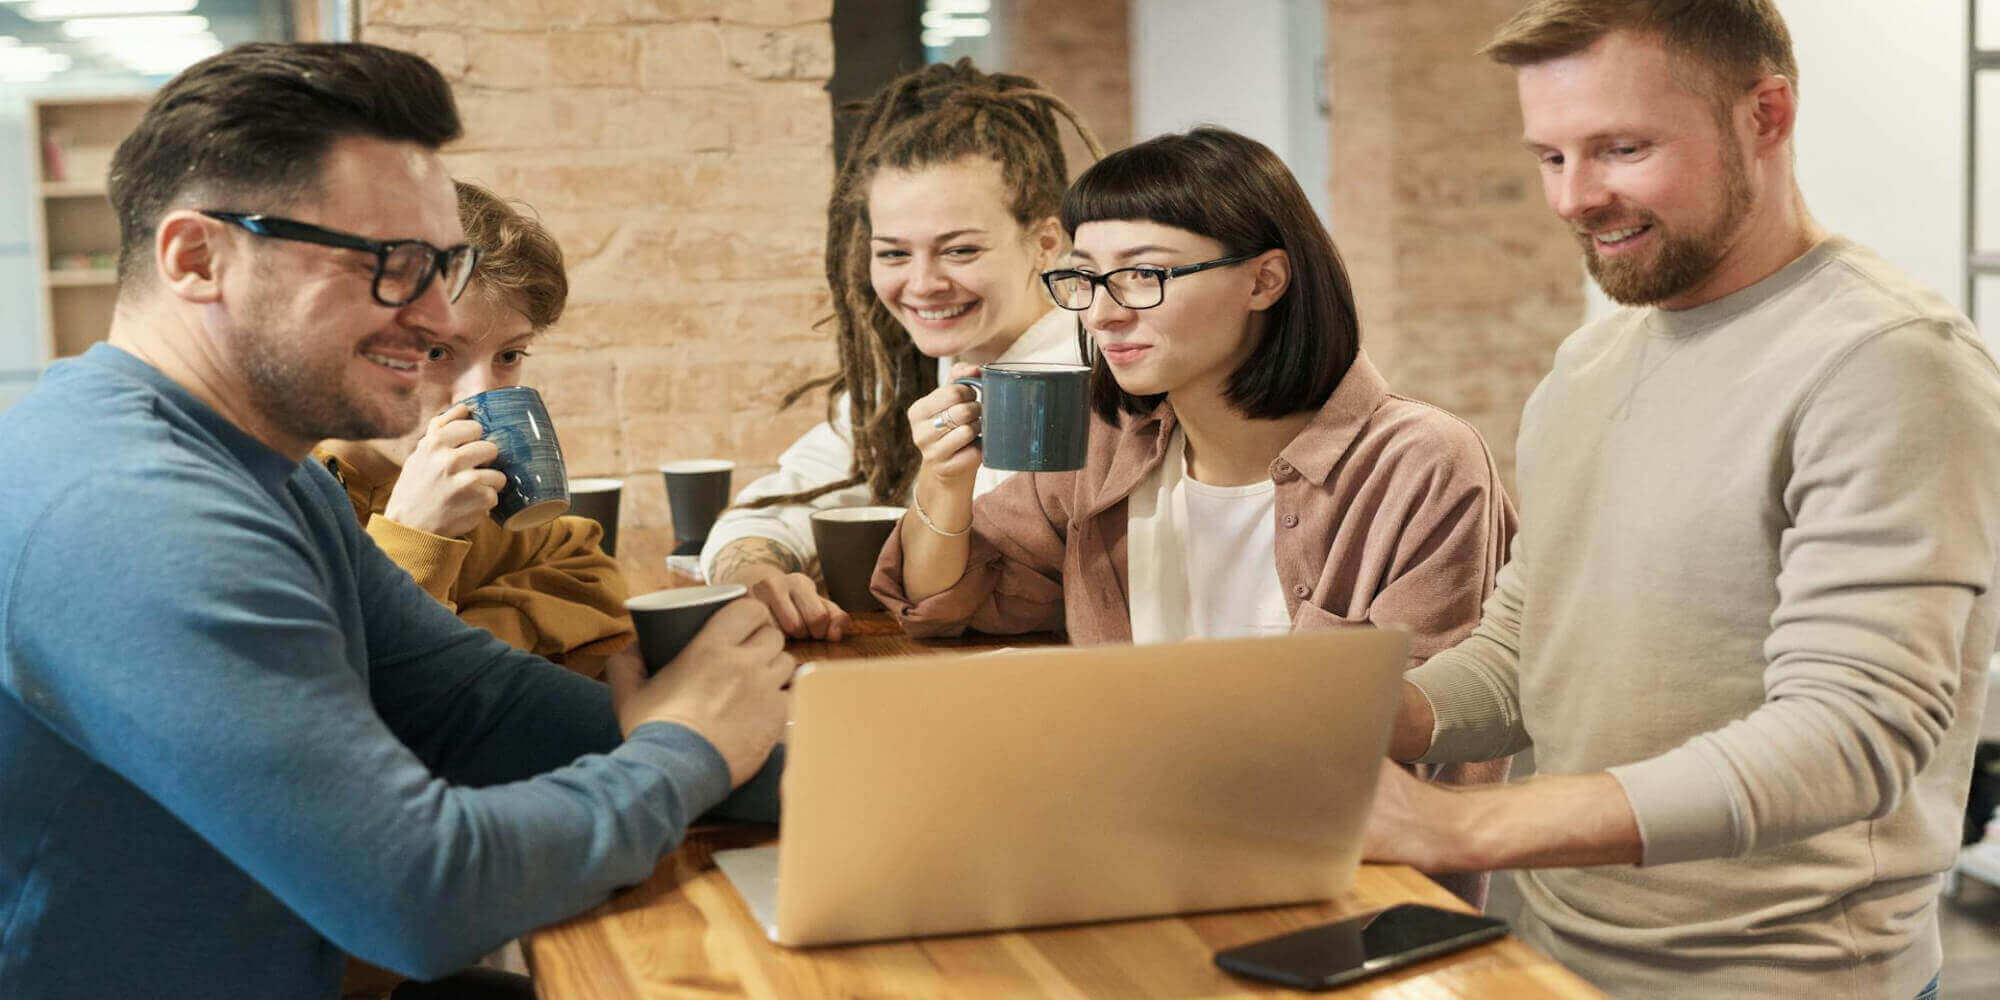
(75, 231)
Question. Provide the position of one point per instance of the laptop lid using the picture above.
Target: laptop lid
(934, 795)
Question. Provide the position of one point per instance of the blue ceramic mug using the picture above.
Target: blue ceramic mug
(537, 488)
(1034, 417)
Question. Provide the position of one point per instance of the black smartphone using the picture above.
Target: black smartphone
(1329, 955)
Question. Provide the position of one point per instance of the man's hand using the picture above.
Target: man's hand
(443, 489)
(1548, 821)
(772, 574)
(726, 685)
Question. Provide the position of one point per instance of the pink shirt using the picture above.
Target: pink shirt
(1389, 512)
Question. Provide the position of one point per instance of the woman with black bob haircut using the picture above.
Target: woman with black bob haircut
(1249, 470)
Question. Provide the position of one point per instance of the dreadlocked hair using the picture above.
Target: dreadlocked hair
(938, 115)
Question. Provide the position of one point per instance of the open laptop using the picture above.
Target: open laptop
(943, 794)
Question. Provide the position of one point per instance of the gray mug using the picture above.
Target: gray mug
(697, 493)
(1035, 416)
(517, 422)
(667, 620)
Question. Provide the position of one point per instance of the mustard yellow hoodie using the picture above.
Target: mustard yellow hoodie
(549, 590)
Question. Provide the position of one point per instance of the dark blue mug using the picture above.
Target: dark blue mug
(1034, 416)
(517, 421)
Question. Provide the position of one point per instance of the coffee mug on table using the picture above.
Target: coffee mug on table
(516, 420)
(597, 499)
(697, 491)
(849, 540)
(667, 620)
(1035, 417)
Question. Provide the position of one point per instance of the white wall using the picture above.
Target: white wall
(1881, 135)
(1256, 66)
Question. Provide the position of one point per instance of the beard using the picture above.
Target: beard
(1684, 260)
(306, 396)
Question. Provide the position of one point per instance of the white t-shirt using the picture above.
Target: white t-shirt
(1232, 567)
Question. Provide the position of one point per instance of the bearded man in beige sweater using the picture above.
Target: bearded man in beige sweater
(1747, 620)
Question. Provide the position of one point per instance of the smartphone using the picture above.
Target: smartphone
(1329, 955)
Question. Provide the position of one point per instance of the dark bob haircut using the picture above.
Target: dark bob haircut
(1232, 189)
(257, 120)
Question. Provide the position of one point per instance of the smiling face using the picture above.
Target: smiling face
(318, 356)
(1656, 189)
(949, 261)
(1202, 329)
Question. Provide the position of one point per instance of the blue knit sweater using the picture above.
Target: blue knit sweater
(236, 740)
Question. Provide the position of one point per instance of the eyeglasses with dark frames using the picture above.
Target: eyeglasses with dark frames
(1141, 287)
(403, 268)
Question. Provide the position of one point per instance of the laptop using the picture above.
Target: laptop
(946, 794)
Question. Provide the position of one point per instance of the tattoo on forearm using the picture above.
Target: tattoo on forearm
(754, 551)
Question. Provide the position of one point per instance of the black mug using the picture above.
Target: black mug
(850, 540)
(597, 499)
(697, 492)
(667, 620)
(1035, 416)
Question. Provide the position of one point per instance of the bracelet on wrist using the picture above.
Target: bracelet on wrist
(928, 523)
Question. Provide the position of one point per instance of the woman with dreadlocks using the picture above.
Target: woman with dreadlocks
(943, 215)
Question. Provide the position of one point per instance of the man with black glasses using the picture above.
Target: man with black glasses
(235, 739)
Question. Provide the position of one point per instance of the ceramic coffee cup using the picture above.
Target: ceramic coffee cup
(1035, 417)
(697, 491)
(516, 420)
(667, 620)
(849, 540)
(597, 499)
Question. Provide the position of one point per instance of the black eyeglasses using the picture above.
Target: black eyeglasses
(1141, 287)
(403, 268)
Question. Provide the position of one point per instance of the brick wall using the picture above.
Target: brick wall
(1081, 52)
(679, 150)
(1465, 280)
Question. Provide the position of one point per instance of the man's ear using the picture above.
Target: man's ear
(189, 255)
(1274, 276)
(1774, 111)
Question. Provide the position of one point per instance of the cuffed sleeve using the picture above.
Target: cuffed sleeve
(432, 560)
(1013, 571)
(1475, 687)
(824, 454)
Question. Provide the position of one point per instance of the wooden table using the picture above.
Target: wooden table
(686, 933)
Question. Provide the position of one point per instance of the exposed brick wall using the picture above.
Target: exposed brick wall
(1465, 280)
(680, 151)
(1081, 51)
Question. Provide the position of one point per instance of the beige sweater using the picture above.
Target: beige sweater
(1754, 580)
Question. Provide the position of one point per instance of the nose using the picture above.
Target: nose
(475, 379)
(1578, 191)
(1104, 312)
(929, 277)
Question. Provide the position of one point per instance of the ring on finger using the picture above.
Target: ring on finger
(943, 421)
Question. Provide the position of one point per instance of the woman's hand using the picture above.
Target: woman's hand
(945, 427)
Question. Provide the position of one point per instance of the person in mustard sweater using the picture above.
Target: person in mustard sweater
(424, 498)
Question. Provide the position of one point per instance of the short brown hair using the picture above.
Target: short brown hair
(1234, 190)
(520, 264)
(1730, 43)
(249, 129)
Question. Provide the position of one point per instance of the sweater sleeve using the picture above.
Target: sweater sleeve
(550, 590)
(1894, 528)
(432, 560)
(1013, 570)
(823, 455)
(1475, 687)
(222, 684)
